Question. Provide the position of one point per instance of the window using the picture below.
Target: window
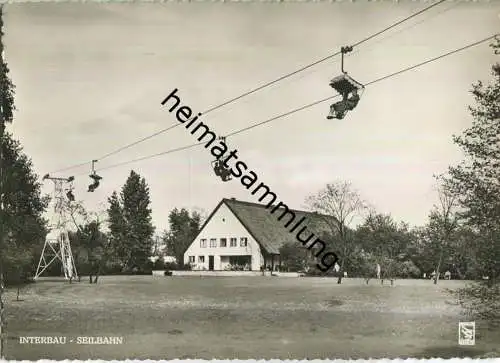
(223, 242)
(233, 242)
(201, 259)
(213, 242)
(243, 242)
(203, 242)
(191, 259)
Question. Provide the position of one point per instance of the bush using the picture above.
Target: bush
(407, 270)
(112, 268)
(159, 264)
(172, 266)
(481, 301)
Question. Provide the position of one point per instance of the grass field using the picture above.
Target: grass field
(241, 318)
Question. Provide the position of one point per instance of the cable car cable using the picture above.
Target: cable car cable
(70, 167)
(402, 30)
(303, 68)
(138, 141)
(320, 60)
(146, 157)
(308, 105)
(397, 23)
(367, 84)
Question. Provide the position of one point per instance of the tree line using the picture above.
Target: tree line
(442, 244)
(120, 239)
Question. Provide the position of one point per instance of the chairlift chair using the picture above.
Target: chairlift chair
(95, 184)
(216, 167)
(226, 175)
(69, 191)
(70, 195)
(348, 88)
(345, 84)
(94, 177)
(220, 169)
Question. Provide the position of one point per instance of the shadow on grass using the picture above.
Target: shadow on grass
(450, 352)
(175, 332)
(334, 302)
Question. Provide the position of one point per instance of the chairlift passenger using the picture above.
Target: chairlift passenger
(348, 88)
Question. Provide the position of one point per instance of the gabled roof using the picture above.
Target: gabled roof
(265, 227)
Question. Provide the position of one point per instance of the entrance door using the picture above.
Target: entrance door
(211, 263)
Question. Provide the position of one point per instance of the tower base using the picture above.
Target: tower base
(57, 248)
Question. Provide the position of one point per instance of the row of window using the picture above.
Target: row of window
(237, 260)
(233, 242)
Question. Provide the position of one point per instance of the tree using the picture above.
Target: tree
(97, 246)
(458, 253)
(157, 250)
(6, 116)
(418, 250)
(476, 182)
(340, 201)
(78, 215)
(131, 228)
(295, 257)
(464, 262)
(443, 223)
(202, 214)
(23, 206)
(385, 242)
(183, 229)
(91, 245)
(118, 230)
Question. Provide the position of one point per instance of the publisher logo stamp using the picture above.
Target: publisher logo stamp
(467, 333)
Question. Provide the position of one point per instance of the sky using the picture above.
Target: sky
(90, 78)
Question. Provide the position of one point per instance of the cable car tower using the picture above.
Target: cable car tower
(348, 88)
(57, 245)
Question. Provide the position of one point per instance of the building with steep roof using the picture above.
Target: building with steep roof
(246, 236)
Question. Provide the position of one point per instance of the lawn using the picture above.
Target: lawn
(241, 318)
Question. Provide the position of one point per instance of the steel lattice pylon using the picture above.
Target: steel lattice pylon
(57, 245)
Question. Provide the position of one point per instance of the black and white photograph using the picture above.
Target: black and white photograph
(249, 180)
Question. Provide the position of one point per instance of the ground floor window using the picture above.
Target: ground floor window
(201, 259)
(240, 263)
(191, 259)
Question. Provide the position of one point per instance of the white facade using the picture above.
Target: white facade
(207, 251)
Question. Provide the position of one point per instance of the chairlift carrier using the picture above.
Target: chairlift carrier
(94, 177)
(220, 170)
(345, 84)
